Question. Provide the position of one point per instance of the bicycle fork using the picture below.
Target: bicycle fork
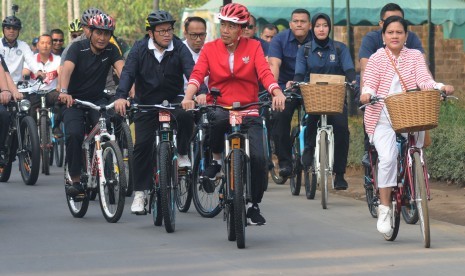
(328, 129)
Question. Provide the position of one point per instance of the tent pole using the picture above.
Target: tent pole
(430, 41)
(332, 19)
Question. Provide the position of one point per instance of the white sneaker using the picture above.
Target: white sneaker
(183, 161)
(139, 202)
(384, 219)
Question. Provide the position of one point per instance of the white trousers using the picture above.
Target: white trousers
(384, 140)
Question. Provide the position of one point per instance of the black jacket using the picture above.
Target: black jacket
(155, 81)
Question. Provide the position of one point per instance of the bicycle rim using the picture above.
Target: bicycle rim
(421, 199)
(239, 180)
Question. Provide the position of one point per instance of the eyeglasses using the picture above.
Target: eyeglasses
(58, 40)
(194, 36)
(74, 35)
(164, 32)
(250, 27)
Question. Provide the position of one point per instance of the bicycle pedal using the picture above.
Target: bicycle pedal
(79, 197)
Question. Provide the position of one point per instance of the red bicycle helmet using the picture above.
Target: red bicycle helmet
(235, 13)
(103, 22)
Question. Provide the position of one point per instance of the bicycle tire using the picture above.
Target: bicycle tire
(78, 209)
(421, 196)
(239, 181)
(230, 225)
(310, 184)
(395, 217)
(29, 158)
(207, 204)
(409, 208)
(324, 169)
(274, 171)
(59, 144)
(167, 185)
(156, 208)
(45, 144)
(112, 194)
(295, 181)
(11, 151)
(184, 191)
(370, 191)
(127, 149)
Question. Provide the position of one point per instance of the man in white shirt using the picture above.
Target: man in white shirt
(195, 32)
(14, 51)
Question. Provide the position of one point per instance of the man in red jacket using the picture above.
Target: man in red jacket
(233, 64)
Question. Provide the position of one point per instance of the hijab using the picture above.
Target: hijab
(324, 42)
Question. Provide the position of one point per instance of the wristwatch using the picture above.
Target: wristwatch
(64, 90)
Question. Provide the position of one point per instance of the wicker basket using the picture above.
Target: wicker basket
(323, 98)
(414, 111)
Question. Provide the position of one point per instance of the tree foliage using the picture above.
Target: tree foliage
(129, 15)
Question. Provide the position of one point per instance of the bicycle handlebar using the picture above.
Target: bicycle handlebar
(94, 106)
(230, 108)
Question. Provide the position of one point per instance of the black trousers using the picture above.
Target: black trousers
(219, 120)
(4, 125)
(341, 137)
(282, 133)
(74, 120)
(145, 126)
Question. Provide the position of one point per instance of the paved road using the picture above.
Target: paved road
(38, 236)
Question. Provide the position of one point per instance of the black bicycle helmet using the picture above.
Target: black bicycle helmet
(11, 21)
(158, 17)
(88, 14)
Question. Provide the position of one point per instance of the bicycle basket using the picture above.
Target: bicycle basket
(323, 98)
(413, 111)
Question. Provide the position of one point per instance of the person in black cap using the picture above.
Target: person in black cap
(35, 40)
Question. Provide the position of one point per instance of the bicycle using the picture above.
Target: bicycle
(124, 139)
(267, 121)
(43, 121)
(22, 141)
(101, 173)
(163, 195)
(412, 179)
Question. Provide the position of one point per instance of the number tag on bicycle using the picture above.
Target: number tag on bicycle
(235, 118)
(164, 116)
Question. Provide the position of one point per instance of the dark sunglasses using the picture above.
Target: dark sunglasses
(250, 27)
(74, 35)
(58, 40)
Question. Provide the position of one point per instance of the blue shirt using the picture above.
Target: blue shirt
(323, 60)
(373, 40)
(284, 46)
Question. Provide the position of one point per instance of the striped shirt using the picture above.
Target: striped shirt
(379, 73)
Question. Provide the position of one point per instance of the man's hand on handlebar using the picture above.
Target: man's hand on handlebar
(279, 100)
(449, 89)
(188, 103)
(120, 106)
(66, 99)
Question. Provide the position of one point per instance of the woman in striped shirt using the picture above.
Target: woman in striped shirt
(381, 79)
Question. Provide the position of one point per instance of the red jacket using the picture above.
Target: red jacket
(241, 85)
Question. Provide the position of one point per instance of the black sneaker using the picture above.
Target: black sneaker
(366, 160)
(213, 170)
(285, 171)
(340, 183)
(254, 217)
(57, 132)
(307, 157)
(75, 189)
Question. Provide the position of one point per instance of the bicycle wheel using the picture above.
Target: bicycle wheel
(112, 193)
(29, 158)
(78, 208)
(127, 149)
(409, 208)
(310, 184)
(205, 192)
(324, 165)
(5, 171)
(296, 178)
(239, 181)
(421, 198)
(167, 180)
(370, 191)
(395, 216)
(156, 208)
(274, 165)
(45, 144)
(184, 190)
(230, 225)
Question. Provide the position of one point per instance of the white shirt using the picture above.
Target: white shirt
(50, 68)
(16, 56)
(159, 55)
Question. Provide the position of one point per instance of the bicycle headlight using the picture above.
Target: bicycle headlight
(24, 105)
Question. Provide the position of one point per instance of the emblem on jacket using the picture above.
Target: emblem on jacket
(19, 52)
(246, 59)
(332, 57)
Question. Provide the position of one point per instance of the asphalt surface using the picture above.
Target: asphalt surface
(38, 236)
